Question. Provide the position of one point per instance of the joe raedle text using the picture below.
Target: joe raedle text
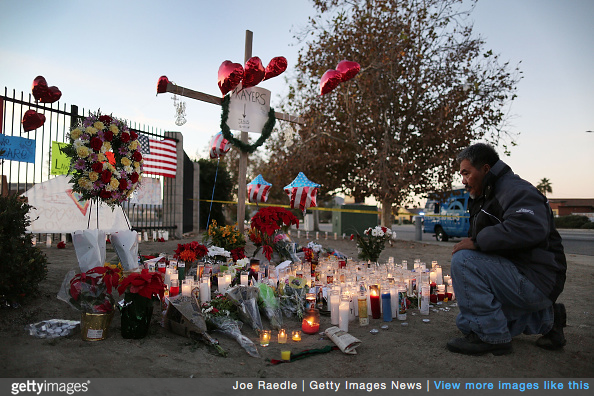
(336, 386)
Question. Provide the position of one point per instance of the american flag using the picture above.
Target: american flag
(160, 156)
(258, 189)
(302, 192)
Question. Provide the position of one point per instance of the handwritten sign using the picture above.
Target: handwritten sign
(16, 148)
(60, 161)
(249, 109)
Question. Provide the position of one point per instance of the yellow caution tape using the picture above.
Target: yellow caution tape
(287, 206)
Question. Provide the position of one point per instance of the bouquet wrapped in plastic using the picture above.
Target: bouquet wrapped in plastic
(293, 297)
(271, 304)
(222, 320)
(246, 300)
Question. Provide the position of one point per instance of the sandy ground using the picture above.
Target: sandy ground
(417, 350)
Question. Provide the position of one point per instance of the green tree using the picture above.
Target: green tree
(544, 186)
(426, 89)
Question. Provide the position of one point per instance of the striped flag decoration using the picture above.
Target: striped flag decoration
(162, 159)
(302, 193)
(219, 146)
(258, 190)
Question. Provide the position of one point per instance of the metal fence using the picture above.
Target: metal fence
(18, 177)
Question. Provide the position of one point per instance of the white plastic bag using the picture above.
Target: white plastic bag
(89, 246)
(125, 244)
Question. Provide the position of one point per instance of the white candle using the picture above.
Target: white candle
(334, 303)
(63, 237)
(432, 276)
(344, 315)
(48, 240)
(204, 292)
(335, 236)
(439, 280)
(34, 240)
(394, 301)
(186, 287)
(316, 234)
(166, 235)
(244, 279)
(139, 238)
(227, 281)
(146, 236)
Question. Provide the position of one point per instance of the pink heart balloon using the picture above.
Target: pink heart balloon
(32, 120)
(275, 67)
(329, 81)
(162, 84)
(253, 72)
(348, 69)
(39, 88)
(230, 74)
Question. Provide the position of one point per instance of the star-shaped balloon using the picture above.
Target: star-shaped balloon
(302, 193)
(258, 190)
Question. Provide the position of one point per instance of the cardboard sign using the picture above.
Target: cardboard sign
(249, 109)
(16, 148)
(60, 161)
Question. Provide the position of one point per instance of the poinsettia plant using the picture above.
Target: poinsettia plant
(190, 252)
(145, 284)
(91, 291)
(266, 223)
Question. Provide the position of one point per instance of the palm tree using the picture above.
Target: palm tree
(544, 186)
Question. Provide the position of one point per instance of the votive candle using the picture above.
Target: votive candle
(286, 355)
(296, 335)
(282, 336)
(265, 338)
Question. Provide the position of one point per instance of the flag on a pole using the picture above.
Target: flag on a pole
(163, 158)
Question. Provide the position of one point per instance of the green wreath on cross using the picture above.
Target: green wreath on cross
(267, 129)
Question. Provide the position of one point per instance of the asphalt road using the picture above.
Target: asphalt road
(574, 241)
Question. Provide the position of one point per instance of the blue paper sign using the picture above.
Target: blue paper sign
(16, 148)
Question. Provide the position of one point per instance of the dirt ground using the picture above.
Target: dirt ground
(417, 350)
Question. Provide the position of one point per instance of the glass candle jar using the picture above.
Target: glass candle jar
(265, 338)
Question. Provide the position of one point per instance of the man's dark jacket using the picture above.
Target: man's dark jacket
(513, 219)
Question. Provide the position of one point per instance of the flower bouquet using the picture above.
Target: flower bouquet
(228, 238)
(139, 290)
(371, 244)
(293, 297)
(266, 224)
(270, 303)
(246, 300)
(190, 252)
(105, 159)
(221, 314)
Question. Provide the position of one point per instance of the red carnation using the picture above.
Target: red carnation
(123, 184)
(134, 177)
(108, 136)
(137, 156)
(97, 167)
(96, 143)
(133, 135)
(105, 194)
(105, 119)
(125, 137)
(106, 176)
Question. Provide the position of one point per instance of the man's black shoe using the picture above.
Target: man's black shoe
(555, 339)
(472, 345)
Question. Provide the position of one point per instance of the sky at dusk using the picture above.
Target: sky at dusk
(109, 55)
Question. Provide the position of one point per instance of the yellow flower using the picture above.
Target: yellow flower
(82, 152)
(85, 183)
(101, 157)
(105, 147)
(90, 130)
(99, 125)
(93, 176)
(114, 183)
(126, 161)
(133, 145)
(75, 133)
(114, 129)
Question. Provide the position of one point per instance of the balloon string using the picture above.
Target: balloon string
(213, 194)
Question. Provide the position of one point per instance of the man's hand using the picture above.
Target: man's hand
(466, 243)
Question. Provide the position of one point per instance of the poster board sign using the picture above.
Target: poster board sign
(249, 109)
(148, 192)
(16, 148)
(60, 161)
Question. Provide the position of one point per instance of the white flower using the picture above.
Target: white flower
(217, 251)
(315, 247)
(376, 232)
(243, 262)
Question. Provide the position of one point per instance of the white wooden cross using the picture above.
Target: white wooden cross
(178, 90)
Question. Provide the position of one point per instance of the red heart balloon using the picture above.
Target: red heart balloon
(348, 70)
(253, 72)
(275, 67)
(52, 95)
(162, 84)
(329, 81)
(230, 74)
(32, 120)
(39, 88)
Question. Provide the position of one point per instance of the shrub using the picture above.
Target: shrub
(573, 221)
(22, 265)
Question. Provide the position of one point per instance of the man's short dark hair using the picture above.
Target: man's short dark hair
(478, 155)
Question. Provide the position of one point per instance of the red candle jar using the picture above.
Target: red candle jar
(375, 301)
(311, 322)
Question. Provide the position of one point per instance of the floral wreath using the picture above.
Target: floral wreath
(267, 129)
(105, 159)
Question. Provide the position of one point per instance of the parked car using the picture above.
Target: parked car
(449, 217)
